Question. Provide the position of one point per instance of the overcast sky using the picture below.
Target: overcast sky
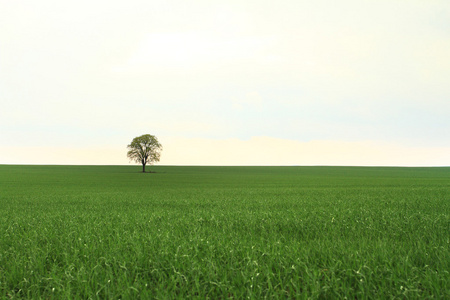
(326, 82)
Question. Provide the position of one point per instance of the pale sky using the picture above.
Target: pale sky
(326, 82)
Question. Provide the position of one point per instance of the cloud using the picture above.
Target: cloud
(188, 49)
(106, 155)
(251, 100)
(272, 151)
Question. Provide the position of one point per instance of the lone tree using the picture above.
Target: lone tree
(144, 149)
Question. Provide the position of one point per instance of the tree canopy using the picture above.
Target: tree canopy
(144, 149)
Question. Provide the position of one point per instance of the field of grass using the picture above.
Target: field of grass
(224, 232)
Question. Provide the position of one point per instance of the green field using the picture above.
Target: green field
(224, 232)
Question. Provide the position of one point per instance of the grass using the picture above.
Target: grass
(70, 232)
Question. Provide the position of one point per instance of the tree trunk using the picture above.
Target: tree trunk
(143, 168)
